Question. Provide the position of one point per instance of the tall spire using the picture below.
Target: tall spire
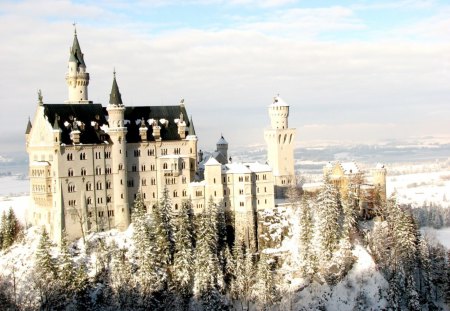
(75, 51)
(29, 126)
(115, 98)
(191, 130)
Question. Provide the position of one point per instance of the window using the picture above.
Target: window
(100, 214)
(108, 184)
(70, 172)
(183, 179)
(72, 203)
(241, 179)
(98, 170)
(184, 193)
(165, 166)
(134, 168)
(241, 191)
(108, 199)
(177, 150)
(144, 182)
(143, 167)
(176, 206)
(108, 170)
(183, 165)
(110, 213)
(88, 186)
(150, 152)
(153, 181)
(175, 194)
(82, 156)
(71, 187)
(152, 167)
(107, 154)
(89, 200)
(130, 183)
(120, 166)
(83, 171)
(100, 200)
(69, 157)
(164, 151)
(99, 185)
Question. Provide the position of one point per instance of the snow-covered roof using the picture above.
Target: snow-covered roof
(258, 167)
(313, 186)
(197, 183)
(211, 161)
(278, 101)
(236, 168)
(349, 167)
(380, 166)
(222, 141)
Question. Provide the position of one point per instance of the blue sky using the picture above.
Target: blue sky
(352, 71)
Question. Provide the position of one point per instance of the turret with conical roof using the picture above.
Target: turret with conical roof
(117, 133)
(77, 78)
(115, 98)
(222, 147)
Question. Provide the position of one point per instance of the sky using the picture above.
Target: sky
(351, 71)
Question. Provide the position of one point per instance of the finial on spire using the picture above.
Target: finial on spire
(74, 28)
(40, 97)
(114, 72)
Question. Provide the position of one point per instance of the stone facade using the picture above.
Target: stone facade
(88, 162)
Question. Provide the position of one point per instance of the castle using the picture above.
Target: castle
(87, 163)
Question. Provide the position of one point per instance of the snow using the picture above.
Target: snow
(14, 185)
(440, 235)
(417, 188)
(222, 141)
(211, 162)
(350, 167)
(19, 205)
(278, 101)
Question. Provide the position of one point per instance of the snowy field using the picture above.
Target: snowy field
(419, 188)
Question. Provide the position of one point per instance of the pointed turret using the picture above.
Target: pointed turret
(75, 51)
(191, 127)
(77, 78)
(115, 98)
(55, 124)
(29, 126)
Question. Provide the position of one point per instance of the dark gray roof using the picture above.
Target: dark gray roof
(191, 127)
(115, 98)
(135, 115)
(75, 52)
(64, 115)
(29, 126)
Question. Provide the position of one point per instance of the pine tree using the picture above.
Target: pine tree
(165, 218)
(328, 226)
(45, 273)
(5, 232)
(306, 235)
(242, 274)
(208, 278)
(183, 257)
(264, 290)
(121, 281)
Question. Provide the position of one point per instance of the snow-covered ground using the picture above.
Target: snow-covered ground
(441, 235)
(419, 188)
(14, 185)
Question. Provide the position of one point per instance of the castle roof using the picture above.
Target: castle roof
(222, 141)
(29, 126)
(278, 101)
(211, 161)
(75, 52)
(64, 116)
(115, 98)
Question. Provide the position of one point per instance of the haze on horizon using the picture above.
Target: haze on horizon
(359, 71)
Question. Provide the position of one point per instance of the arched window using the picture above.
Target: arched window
(175, 193)
(99, 185)
(89, 200)
(165, 166)
(71, 187)
(83, 171)
(70, 172)
(98, 170)
(88, 186)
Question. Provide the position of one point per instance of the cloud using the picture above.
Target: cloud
(354, 90)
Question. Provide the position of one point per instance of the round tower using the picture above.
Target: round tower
(379, 179)
(222, 147)
(279, 113)
(77, 78)
(117, 133)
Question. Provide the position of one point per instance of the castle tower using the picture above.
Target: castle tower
(222, 148)
(280, 146)
(117, 132)
(379, 179)
(77, 78)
